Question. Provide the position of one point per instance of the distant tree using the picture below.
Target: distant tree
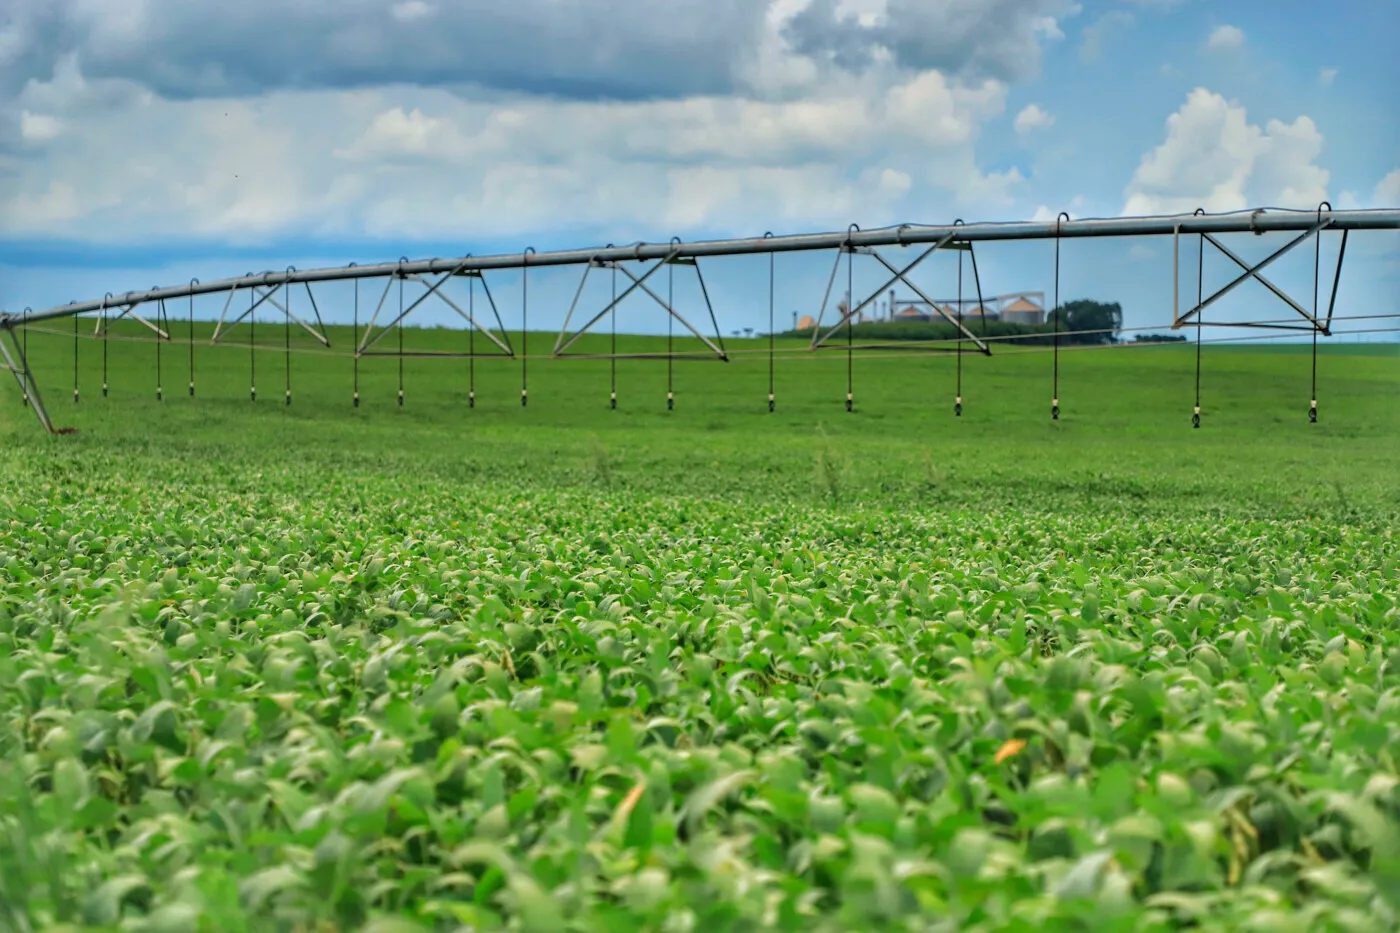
(1101, 320)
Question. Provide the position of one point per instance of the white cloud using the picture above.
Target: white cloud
(1032, 118)
(1225, 37)
(404, 162)
(1326, 76)
(398, 133)
(1049, 27)
(38, 127)
(1286, 172)
(411, 11)
(1388, 190)
(1097, 33)
(58, 202)
(988, 38)
(1213, 157)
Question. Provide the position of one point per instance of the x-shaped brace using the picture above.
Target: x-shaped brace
(267, 294)
(897, 275)
(1255, 272)
(639, 283)
(434, 290)
(103, 323)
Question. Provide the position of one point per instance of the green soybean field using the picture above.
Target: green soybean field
(561, 667)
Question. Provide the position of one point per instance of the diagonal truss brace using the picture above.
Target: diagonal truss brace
(1255, 272)
(18, 365)
(719, 350)
(565, 339)
(268, 295)
(223, 323)
(638, 283)
(507, 348)
(434, 291)
(104, 323)
(896, 275)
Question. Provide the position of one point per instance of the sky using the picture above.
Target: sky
(144, 142)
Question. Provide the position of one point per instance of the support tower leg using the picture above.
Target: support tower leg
(12, 354)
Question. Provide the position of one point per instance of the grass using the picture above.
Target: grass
(318, 667)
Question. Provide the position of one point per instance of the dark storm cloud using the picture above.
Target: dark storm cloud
(601, 49)
(968, 38)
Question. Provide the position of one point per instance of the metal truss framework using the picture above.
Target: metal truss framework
(565, 340)
(276, 289)
(853, 310)
(1253, 271)
(260, 294)
(366, 341)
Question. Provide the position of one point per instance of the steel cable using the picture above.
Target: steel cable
(612, 321)
(957, 397)
(772, 398)
(1200, 291)
(471, 342)
(850, 357)
(191, 342)
(287, 347)
(670, 335)
(355, 350)
(162, 322)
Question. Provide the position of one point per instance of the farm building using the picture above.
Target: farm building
(1022, 310)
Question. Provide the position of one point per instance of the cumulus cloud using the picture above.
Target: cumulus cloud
(38, 127)
(971, 38)
(1032, 118)
(1388, 190)
(1097, 33)
(411, 11)
(1225, 37)
(180, 49)
(1213, 157)
(1326, 76)
(603, 49)
(245, 122)
(418, 163)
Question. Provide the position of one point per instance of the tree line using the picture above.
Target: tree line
(1079, 322)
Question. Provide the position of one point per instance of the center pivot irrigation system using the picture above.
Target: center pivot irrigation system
(639, 263)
